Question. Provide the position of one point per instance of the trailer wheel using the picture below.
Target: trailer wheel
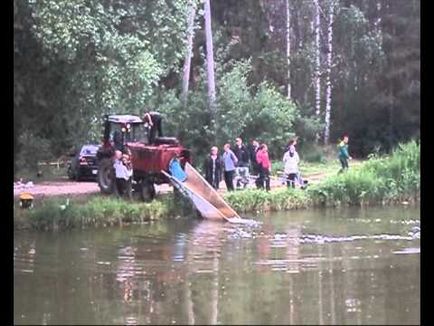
(147, 190)
(106, 176)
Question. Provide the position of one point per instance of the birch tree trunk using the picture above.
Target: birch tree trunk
(377, 23)
(317, 81)
(288, 47)
(209, 58)
(189, 52)
(328, 77)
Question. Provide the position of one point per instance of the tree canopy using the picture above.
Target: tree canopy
(75, 60)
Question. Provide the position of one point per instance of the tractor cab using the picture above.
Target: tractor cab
(121, 129)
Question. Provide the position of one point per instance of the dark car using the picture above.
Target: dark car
(84, 163)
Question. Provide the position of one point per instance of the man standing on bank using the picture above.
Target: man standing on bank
(242, 169)
(213, 168)
(343, 154)
(153, 119)
(229, 162)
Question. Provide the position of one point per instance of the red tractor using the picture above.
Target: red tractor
(130, 133)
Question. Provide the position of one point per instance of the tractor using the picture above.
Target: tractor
(129, 133)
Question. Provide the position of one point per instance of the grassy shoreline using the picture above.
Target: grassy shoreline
(379, 181)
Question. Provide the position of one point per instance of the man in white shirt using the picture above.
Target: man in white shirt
(123, 171)
(291, 160)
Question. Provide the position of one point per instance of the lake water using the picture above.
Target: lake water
(333, 266)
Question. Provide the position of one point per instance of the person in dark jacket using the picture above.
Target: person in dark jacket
(253, 149)
(213, 168)
(242, 168)
(153, 119)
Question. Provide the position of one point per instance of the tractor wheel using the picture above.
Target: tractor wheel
(147, 190)
(106, 176)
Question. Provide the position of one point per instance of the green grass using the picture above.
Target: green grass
(390, 178)
(309, 168)
(96, 211)
(255, 200)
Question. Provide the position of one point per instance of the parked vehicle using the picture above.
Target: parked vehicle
(84, 163)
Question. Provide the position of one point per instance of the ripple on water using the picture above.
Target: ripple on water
(407, 251)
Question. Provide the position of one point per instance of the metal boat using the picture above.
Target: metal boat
(204, 197)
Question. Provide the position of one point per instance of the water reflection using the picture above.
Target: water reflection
(24, 257)
(297, 268)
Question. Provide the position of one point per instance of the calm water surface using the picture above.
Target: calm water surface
(346, 266)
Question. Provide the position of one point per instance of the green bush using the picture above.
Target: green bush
(390, 178)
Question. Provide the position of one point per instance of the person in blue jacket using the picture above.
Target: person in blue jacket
(343, 154)
(229, 163)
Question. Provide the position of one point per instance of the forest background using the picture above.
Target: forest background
(279, 68)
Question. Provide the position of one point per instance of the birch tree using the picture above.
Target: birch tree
(189, 50)
(209, 58)
(328, 75)
(317, 73)
(288, 47)
(377, 24)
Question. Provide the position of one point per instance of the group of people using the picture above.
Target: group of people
(235, 165)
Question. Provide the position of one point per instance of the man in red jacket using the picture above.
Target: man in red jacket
(264, 164)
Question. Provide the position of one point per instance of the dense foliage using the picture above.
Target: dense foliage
(76, 60)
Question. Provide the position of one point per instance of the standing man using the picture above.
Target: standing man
(252, 152)
(242, 168)
(343, 153)
(291, 160)
(153, 120)
(123, 173)
(254, 146)
(229, 162)
(213, 168)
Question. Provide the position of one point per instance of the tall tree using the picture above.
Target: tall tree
(189, 50)
(209, 58)
(288, 47)
(317, 73)
(331, 9)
